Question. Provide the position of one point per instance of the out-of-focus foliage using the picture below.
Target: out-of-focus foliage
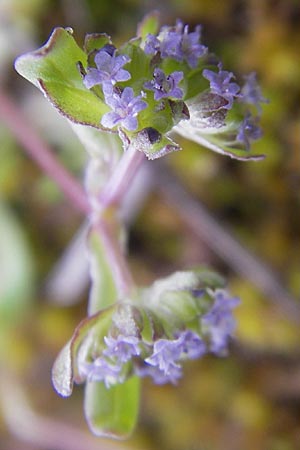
(249, 400)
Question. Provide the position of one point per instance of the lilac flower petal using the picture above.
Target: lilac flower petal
(122, 75)
(130, 123)
(110, 119)
(127, 95)
(92, 78)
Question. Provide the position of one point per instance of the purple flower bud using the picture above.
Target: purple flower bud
(101, 370)
(177, 43)
(122, 347)
(190, 48)
(109, 69)
(152, 44)
(220, 83)
(165, 86)
(192, 346)
(158, 375)
(251, 92)
(249, 130)
(125, 108)
(165, 355)
(219, 322)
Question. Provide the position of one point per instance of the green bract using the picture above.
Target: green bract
(54, 70)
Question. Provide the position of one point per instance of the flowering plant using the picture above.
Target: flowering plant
(124, 104)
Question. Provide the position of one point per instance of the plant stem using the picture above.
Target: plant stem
(41, 153)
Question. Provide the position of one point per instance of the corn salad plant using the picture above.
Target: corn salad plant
(124, 103)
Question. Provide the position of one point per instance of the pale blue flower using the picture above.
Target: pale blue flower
(125, 108)
(109, 69)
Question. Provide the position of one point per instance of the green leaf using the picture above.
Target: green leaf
(112, 412)
(54, 70)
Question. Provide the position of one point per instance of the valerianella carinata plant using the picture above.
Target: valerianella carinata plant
(124, 103)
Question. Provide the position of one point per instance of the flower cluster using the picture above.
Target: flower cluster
(125, 349)
(169, 81)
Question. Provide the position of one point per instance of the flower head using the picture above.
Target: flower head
(125, 108)
(165, 86)
(109, 69)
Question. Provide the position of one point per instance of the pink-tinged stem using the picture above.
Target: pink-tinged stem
(41, 153)
(113, 192)
(119, 181)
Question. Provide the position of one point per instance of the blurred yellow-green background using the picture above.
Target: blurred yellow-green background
(250, 400)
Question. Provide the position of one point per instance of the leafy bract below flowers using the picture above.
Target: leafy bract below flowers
(181, 317)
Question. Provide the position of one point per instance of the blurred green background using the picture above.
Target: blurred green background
(250, 400)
